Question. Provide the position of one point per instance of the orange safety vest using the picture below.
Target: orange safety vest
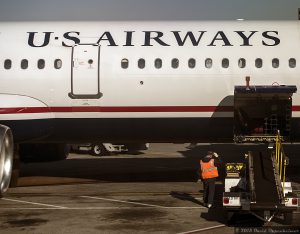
(208, 169)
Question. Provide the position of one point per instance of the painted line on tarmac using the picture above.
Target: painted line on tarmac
(54, 207)
(83, 208)
(145, 204)
(34, 203)
(203, 229)
(72, 208)
(121, 201)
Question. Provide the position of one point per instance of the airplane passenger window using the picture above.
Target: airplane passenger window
(275, 63)
(225, 63)
(208, 63)
(24, 64)
(242, 63)
(124, 63)
(41, 64)
(258, 63)
(158, 63)
(141, 63)
(57, 64)
(7, 64)
(175, 63)
(292, 63)
(192, 63)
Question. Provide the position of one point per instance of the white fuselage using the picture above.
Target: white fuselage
(91, 83)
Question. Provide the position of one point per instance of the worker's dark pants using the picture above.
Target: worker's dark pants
(209, 190)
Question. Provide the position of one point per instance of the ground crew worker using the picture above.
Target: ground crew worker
(208, 174)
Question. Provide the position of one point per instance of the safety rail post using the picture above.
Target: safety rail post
(284, 169)
(280, 160)
(285, 163)
(277, 146)
(280, 165)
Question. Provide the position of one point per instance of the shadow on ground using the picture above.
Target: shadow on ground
(147, 169)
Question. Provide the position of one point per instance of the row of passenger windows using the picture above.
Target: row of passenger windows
(40, 64)
(208, 63)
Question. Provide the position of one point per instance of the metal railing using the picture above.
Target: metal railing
(281, 159)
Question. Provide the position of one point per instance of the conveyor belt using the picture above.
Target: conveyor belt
(264, 179)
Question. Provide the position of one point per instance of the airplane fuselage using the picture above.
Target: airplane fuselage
(138, 81)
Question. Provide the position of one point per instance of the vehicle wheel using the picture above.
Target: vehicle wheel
(6, 158)
(288, 218)
(98, 150)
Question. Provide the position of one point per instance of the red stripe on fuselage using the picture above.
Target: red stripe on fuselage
(145, 109)
(28, 110)
(295, 108)
(24, 110)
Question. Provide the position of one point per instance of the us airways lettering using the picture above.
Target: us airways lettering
(45, 40)
(158, 38)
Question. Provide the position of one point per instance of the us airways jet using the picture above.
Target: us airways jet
(65, 82)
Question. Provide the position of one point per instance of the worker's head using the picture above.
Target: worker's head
(211, 154)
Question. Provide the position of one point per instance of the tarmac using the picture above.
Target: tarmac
(153, 191)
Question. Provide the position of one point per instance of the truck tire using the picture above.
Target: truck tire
(98, 150)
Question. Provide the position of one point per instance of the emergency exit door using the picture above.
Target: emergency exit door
(85, 75)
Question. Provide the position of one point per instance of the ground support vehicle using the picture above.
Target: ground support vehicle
(262, 114)
(102, 149)
(99, 149)
(258, 186)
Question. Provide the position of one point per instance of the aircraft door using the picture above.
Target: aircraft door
(85, 74)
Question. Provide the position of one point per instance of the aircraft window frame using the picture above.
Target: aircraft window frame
(208, 63)
(57, 63)
(242, 63)
(41, 64)
(7, 64)
(275, 63)
(24, 64)
(158, 63)
(124, 63)
(192, 63)
(292, 63)
(225, 63)
(258, 63)
(141, 63)
(175, 63)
